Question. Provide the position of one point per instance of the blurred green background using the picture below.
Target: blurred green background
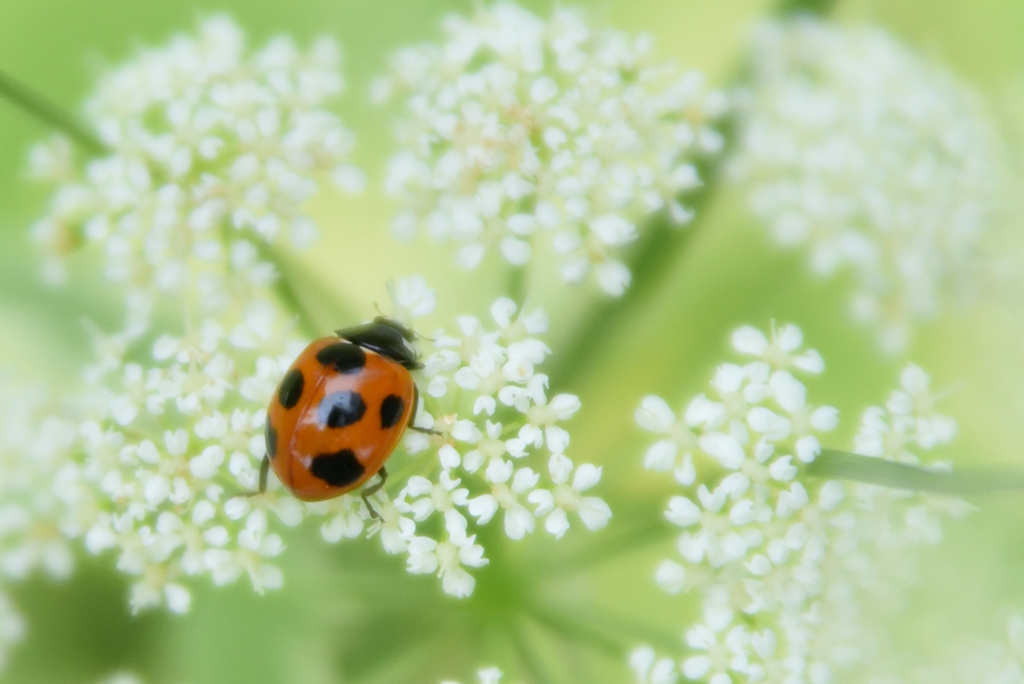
(349, 614)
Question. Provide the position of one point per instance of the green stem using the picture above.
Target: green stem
(575, 629)
(611, 632)
(650, 264)
(603, 549)
(290, 281)
(816, 7)
(286, 291)
(526, 653)
(422, 464)
(517, 285)
(843, 465)
(46, 111)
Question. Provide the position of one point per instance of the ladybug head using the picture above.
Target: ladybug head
(387, 337)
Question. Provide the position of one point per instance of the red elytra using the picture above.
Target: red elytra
(340, 411)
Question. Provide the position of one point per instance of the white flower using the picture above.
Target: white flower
(411, 298)
(650, 669)
(37, 502)
(721, 648)
(214, 152)
(655, 415)
(779, 351)
(908, 423)
(517, 130)
(429, 497)
(493, 364)
(916, 401)
(395, 530)
(874, 160)
(446, 558)
(722, 536)
(542, 415)
(905, 430)
(347, 520)
(760, 398)
(760, 538)
(565, 498)
(519, 521)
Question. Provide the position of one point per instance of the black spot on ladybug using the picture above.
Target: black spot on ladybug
(291, 388)
(339, 409)
(391, 410)
(339, 469)
(345, 357)
(271, 434)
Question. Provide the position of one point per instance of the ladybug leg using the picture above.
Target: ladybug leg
(416, 406)
(264, 471)
(426, 431)
(367, 492)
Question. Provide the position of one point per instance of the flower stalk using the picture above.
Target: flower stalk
(842, 465)
(48, 112)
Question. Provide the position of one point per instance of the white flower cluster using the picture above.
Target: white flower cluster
(777, 556)
(907, 426)
(33, 446)
(493, 420)
(875, 161)
(516, 128)
(213, 154)
(168, 451)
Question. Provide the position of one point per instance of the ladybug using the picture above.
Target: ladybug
(340, 410)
